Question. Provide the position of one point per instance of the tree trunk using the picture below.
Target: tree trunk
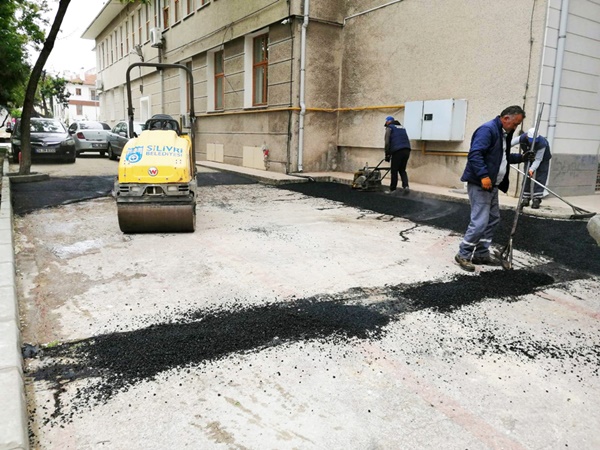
(25, 166)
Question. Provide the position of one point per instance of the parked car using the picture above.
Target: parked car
(119, 135)
(49, 141)
(5, 136)
(90, 136)
(5, 133)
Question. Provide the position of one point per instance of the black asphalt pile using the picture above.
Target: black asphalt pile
(114, 362)
(468, 290)
(29, 197)
(222, 179)
(564, 241)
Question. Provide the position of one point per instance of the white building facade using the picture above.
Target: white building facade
(84, 102)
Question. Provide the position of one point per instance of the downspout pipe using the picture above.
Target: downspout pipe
(560, 55)
(302, 85)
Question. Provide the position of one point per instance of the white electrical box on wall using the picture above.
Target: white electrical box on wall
(436, 120)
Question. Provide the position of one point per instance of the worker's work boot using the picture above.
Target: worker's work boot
(535, 204)
(524, 203)
(464, 263)
(487, 260)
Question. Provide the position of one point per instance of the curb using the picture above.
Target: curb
(13, 414)
(35, 176)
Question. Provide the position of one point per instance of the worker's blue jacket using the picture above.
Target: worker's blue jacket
(485, 154)
(396, 139)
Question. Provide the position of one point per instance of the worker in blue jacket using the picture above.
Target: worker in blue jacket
(397, 150)
(539, 167)
(486, 172)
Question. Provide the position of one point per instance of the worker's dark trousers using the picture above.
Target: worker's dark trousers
(398, 166)
(541, 176)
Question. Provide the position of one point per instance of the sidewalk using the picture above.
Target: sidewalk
(13, 414)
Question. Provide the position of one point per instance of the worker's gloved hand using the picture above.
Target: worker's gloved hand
(529, 156)
(531, 173)
(387, 158)
(486, 183)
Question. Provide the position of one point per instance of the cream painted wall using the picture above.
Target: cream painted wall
(408, 51)
(365, 55)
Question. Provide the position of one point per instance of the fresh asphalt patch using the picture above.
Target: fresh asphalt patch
(114, 362)
(565, 241)
(29, 197)
(222, 179)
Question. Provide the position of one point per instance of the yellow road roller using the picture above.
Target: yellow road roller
(156, 185)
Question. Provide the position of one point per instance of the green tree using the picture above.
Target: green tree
(20, 27)
(30, 91)
(49, 88)
(36, 73)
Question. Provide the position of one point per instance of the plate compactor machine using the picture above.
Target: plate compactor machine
(369, 178)
(156, 185)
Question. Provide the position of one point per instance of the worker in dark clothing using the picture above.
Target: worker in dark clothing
(539, 167)
(486, 172)
(397, 150)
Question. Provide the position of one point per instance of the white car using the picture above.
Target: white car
(90, 136)
(5, 128)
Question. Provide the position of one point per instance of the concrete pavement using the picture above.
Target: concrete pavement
(13, 418)
(13, 414)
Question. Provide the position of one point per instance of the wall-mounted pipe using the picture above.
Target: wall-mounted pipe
(297, 109)
(302, 85)
(558, 66)
(371, 10)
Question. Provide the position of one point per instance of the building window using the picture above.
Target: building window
(79, 110)
(155, 10)
(189, 6)
(147, 17)
(78, 91)
(219, 79)
(260, 62)
(116, 42)
(126, 37)
(139, 17)
(120, 41)
(166, 15)
(94, 94)
(203, 2)
(176, 13)
(132, 31)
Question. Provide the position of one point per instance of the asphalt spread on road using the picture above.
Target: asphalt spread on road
(114, 362)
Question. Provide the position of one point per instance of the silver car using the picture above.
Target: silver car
(90, 136)
(119, 135)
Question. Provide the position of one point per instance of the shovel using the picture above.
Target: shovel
(506, 255)
(578, 213)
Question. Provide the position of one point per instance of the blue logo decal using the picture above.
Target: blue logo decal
(134, 154)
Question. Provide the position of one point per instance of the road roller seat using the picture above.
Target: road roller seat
(162, 122)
